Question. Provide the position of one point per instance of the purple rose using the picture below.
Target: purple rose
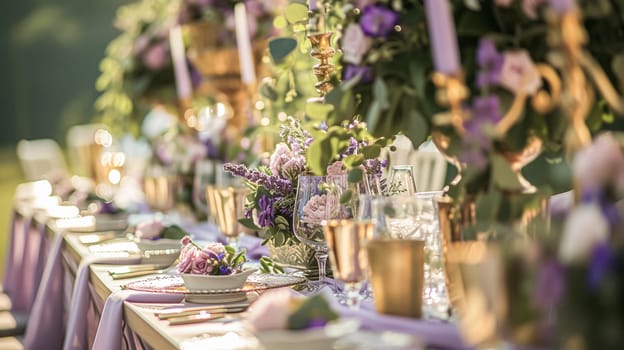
(378, 21)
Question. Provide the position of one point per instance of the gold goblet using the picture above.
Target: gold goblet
(226, 206)
(346, 240)
(160, 190)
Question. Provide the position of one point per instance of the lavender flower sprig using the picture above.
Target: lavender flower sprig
(271, 183)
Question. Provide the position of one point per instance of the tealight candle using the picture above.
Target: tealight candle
(245, 54)
(442, 36)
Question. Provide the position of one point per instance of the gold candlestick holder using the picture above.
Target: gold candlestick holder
(322, 51)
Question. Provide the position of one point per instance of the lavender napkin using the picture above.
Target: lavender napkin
(109, 332)
(76, 332)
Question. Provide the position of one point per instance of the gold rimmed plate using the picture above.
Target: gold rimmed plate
(174, 284)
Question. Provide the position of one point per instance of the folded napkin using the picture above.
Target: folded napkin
(109, 332)
(76, 332)
(254, 247)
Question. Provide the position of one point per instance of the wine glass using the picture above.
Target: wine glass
(311, 200)
(402, 180)
(227, 205)
(346, 240)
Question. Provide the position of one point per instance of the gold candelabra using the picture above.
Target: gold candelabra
(580, 70)
(321, 50)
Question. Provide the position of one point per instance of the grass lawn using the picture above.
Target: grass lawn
(10, 177)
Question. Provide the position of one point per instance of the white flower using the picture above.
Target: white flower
(584, 228)
(519, 73)
(355, 44)
(157, 122)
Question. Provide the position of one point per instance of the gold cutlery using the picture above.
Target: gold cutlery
(201, 317)
(187, 311)
(137, 271)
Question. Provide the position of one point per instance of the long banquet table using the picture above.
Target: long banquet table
(58, 321)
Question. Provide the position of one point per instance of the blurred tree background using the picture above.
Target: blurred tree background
(49, 56)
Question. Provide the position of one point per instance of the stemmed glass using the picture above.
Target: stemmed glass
(160, 188)
(309, 212)
(226, 205)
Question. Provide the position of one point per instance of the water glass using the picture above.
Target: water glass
(401, 180)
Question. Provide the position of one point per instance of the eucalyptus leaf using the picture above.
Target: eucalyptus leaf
(319, 155)
(371, 151)
(318, 111)
(296, 12)
(355, 175)
(502, 174)
(346, 196)
(279, 48)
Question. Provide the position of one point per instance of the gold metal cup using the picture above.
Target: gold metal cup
(346, 240)
(226, 206)
(397, 275)
(160, 191)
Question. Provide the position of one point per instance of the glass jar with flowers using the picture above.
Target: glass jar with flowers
(273, 186)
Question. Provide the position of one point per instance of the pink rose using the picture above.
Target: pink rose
(271, 310)
(215, 247)
(187, 255)
(355, 44)
(202, 263)
(149, 229)
(519, 73)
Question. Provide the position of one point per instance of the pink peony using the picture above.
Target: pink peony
(519, 72)
(271, 310)
(149, 229)
(600, 164)
(286, 163)
(355, 44)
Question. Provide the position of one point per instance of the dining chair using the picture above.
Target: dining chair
(41, 159)
(429, 167)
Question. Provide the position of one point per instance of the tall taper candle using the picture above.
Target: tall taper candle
(245, 54)
(442, 36)
(184, 87)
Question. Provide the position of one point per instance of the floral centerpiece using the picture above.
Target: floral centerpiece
(506, 47)
(273, 186)
(212, 259)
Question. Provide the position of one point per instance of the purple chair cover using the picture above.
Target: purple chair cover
(24, 262)
(109, 333)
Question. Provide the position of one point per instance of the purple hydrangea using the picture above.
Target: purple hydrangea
(550, 284)
(378, 21)
(491, 63)
(602, 260)
(351, 71)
